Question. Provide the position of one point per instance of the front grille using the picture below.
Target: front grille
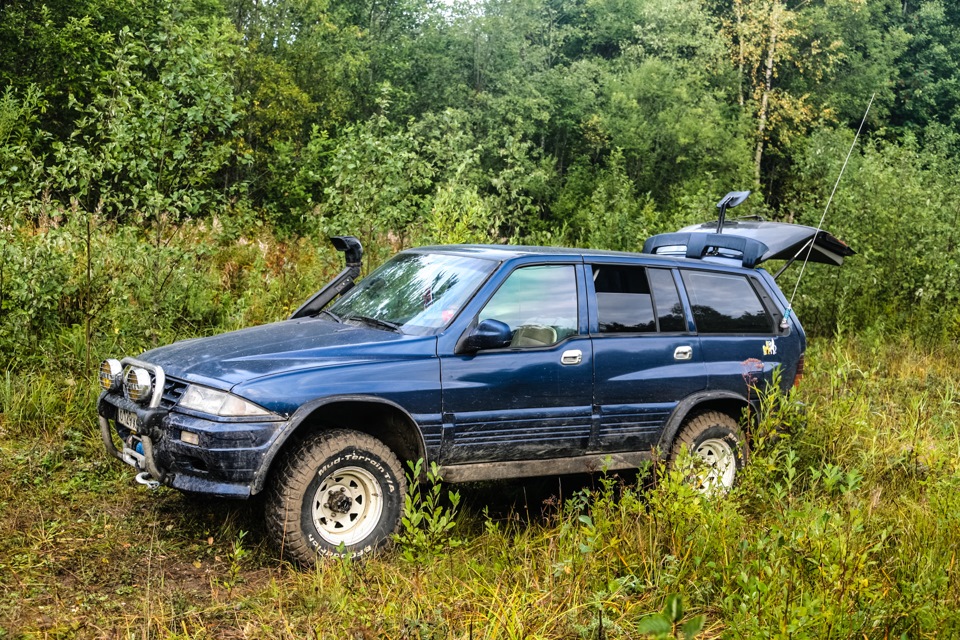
(172, 390)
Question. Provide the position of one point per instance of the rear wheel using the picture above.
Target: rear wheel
(340, 492)
(715, 438)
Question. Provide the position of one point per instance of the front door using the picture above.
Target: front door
(532, 399)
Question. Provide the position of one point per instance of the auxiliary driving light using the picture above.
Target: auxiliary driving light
(109, 375)
(137, 384)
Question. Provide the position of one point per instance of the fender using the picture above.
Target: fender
(683, 409)
(307, 409)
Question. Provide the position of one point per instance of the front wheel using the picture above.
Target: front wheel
(340, 492)
(715, 438)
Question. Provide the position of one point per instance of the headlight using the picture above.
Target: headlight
(110, 371)
(218, 403)
(137, 385)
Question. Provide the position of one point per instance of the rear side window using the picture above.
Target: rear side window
(636, 300)
(624, 303)
(725, 303)
(669, 310)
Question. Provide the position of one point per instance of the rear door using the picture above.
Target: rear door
(646, 356)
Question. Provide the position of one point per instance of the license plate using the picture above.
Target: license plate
(128, 419)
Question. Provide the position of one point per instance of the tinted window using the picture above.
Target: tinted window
(637, 300)
(667, 300)
(724, 303)
(538, 303)
(624, 303)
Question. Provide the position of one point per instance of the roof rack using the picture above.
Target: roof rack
(701, 245)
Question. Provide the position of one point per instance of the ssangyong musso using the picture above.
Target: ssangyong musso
(492, 361)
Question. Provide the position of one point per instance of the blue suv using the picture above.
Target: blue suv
(492, 361)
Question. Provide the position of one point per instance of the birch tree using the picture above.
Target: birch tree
(769, 43)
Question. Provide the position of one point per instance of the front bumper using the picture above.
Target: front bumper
(225, 462)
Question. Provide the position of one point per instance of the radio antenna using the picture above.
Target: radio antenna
(806, 258)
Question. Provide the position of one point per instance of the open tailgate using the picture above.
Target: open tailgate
(784, 241)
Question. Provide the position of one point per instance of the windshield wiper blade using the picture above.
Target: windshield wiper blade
(335, 317)
(377, 322)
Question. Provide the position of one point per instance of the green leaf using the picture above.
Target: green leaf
(692, 627)
(655, 625)
(673, 609)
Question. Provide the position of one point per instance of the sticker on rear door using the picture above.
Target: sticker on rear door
(770, 348)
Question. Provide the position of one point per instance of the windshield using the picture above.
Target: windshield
(413, 293)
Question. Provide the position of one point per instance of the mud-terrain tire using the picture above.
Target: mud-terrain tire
(716, 438)
(339, 492)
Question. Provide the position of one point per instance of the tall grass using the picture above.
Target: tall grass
(845, 525)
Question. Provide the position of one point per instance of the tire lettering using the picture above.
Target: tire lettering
(333, 553)
(356, 457)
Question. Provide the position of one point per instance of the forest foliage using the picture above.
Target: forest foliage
(141, 141)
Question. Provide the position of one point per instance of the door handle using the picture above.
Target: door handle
(571, 356)
(683, 353)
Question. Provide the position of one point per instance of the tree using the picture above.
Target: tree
(928, 96)
(769, 43)
(155, 143)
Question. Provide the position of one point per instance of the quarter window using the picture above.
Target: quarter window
(724, 303)
(669, 310)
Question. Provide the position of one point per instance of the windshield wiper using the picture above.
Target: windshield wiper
(335, 317)
(377, 322)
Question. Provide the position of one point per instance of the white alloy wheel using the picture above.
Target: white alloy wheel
(338, 493)
(347, 506)
(721, 464)
(716, 440)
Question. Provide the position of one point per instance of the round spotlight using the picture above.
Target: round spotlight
(109, 375)
(137, 385)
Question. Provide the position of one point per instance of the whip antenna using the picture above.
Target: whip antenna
(806, 258)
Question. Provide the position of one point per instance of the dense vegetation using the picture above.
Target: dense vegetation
(170, 169)
(129, 130)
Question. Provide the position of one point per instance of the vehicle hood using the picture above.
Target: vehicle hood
(225, 360)
(783, 241)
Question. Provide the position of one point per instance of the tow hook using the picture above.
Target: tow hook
(147, 480)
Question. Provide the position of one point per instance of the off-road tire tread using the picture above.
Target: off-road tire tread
(292, 477)
(700, 423)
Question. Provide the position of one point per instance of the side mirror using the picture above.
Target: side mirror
(489, 334)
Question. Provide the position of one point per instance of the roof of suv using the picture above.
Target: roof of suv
(501, 253)
(744, 243)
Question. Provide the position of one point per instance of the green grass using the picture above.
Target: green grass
(846, 527)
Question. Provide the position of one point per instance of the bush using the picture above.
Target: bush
(896, 208)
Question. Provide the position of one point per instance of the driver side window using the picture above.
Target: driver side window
(539, 304)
